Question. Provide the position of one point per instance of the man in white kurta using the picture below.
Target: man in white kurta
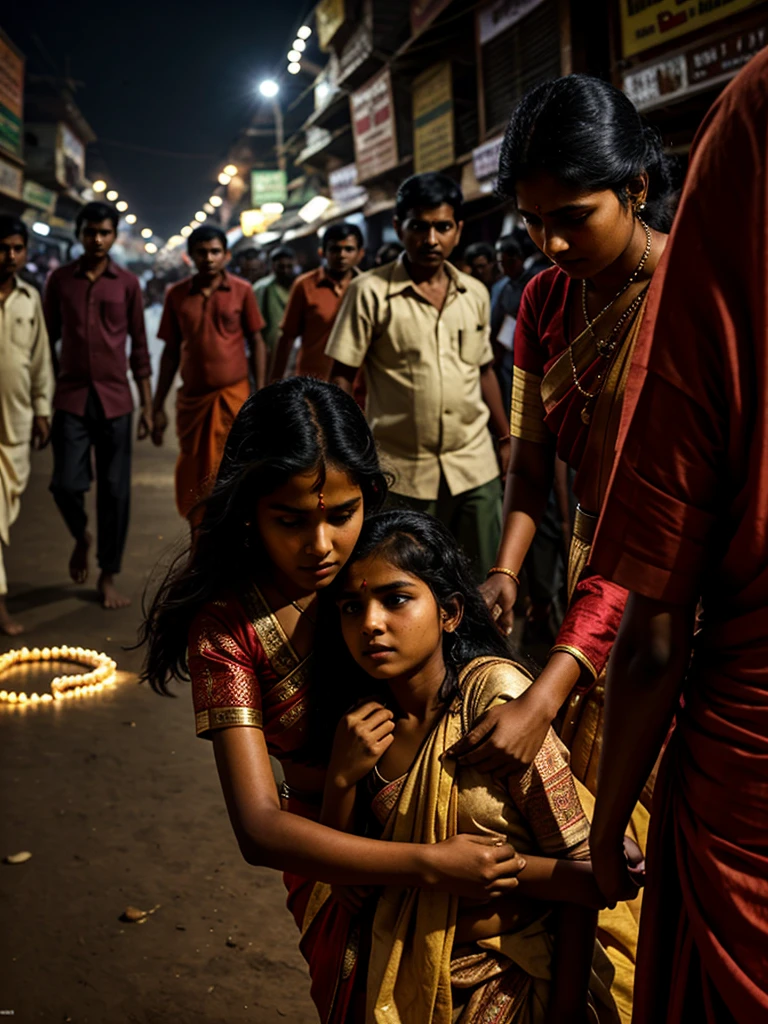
(26, 386)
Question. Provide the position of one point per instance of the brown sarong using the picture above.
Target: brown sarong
(202, 424)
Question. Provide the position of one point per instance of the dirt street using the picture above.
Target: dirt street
(119, 804)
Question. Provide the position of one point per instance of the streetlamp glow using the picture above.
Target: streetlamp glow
(224, 178)
(269, 88)
(215, 200)
(300, 45)
(130, 218)
(200, 216)
(99, 186)
(304, 32)
(186, 231)
(272, 209)
(146, 232)
(208, 208)
(231, 170)
(112, 195)
(122, 206)
(294, 69)
(151, 248)
(293, 56)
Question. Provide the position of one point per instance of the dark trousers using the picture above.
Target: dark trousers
(72, 438)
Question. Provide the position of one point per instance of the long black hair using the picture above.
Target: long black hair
(290, 427)
(420, 545)
(588, 134)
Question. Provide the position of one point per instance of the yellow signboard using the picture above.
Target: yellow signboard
(433, 130)
(329, 17)
(648, 23)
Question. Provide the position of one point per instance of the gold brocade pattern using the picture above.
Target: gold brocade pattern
(526, 419)
(220, 718)
(292, 715)
(276, 644)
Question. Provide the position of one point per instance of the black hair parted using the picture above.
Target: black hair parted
(588, 134)
(427, 191)
(13, 226)
(421, 546)
(339, 232)
(207, 233)
(95, 213)
(287, 428)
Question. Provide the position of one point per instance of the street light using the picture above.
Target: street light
(224, 178)
(151, 248)
(112, 195)
(269, 88)
(186, 231)
(99, 186)
(272, 209)
(300, 45)
(122, 206)
(131, 218)
(231, 170)
(146, 232)
(215, 200)
(294, 69)
(304, 32)
(200, 216)
(208, 208)
(293, 56)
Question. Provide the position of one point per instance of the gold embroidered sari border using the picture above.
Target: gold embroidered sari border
(221, 718)
(526, 417)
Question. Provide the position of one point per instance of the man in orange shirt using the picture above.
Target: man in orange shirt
(208, 321)
(314, 302)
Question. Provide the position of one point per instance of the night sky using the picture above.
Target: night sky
(178, 79)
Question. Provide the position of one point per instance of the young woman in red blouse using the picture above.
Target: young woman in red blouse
(237, 616)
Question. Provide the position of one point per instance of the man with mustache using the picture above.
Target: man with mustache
(421, 331)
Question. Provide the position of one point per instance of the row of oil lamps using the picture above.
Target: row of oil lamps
(103, 673)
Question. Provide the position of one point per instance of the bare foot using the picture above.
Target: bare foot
(7, 626)
(78, 563)
(109, 594)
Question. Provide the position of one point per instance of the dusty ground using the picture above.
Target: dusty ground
(119, 804)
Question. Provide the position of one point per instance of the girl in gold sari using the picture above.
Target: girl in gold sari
(416, 626)
(591, 182)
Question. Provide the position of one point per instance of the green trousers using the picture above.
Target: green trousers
(473, 517)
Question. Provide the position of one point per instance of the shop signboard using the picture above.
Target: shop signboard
(424, 12)
(433, 126)
(38, 196)
(648, 23)
(373, 126)
(70, 158)
(11, 99)
(11, 179)
(485, 159)
(497, 17)
(696, 67)
(329, 17)
(268, 187)
(344, 186)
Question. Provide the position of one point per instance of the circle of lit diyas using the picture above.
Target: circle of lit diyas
(103, 674)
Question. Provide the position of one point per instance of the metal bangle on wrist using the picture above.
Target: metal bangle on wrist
(503, 571)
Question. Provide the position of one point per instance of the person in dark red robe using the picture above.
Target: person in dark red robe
(685, 522)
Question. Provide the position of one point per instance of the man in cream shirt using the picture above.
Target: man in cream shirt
(26, 386)
(420, 329)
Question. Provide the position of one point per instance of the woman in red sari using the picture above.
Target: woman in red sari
(237, 616)
(685, 520)
(591, 183)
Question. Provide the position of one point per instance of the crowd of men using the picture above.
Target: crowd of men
(423, 341)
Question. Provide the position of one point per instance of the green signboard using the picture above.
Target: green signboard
(268, 187)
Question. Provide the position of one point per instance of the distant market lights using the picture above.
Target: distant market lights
(112, 195)
(151, 248)
(215, 200)
(99, 186)
(146, 232)
(122, 206)
(131, 218)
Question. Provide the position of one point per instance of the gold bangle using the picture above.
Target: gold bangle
(506, 572)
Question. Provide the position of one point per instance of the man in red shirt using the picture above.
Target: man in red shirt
(208, 321)
(314, 302)
(93, 305)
